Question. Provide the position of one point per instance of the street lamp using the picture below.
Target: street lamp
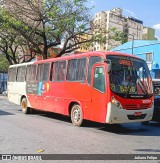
(132, 43)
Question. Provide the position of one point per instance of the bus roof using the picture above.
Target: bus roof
(96, 53)
(22, 64)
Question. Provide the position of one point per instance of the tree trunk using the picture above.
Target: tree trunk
(45, 53)
(9, 59)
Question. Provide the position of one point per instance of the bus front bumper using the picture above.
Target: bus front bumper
(116, 115)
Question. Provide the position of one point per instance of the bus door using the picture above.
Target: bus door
(56, 102)
(42, 78)
(99, 98)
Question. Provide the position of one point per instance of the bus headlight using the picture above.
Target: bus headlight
(116, 103)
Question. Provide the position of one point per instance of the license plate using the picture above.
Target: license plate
(137, 113)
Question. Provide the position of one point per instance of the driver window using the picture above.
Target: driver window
(99, 79)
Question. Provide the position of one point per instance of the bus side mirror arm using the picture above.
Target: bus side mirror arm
(108, 65)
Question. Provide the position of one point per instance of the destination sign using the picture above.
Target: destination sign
(125, 62)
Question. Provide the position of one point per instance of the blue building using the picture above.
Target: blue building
(3, 82)
(147, 50)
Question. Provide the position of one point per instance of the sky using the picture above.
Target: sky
(146, 10)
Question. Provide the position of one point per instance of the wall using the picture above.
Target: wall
(3, 82)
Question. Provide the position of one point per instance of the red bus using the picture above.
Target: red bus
(105, 87)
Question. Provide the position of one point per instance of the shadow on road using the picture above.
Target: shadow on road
(135, 129)
(5, 113)
(53, 116)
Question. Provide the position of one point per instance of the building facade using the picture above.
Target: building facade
(145, 49)
(148, 33)
(133, 28)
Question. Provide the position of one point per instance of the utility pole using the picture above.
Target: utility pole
(132, 43)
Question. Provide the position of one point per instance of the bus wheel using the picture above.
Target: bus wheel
(76, 115)
(24, 107)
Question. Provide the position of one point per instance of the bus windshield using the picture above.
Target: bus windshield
(130, 77)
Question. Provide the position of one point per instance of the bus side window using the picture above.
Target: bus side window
(43, 72)
(99, 79)
(58, 71)
(76, 69)
(81, 69)
(46, 68)
(92, 61)
(31, 73)
(21, 72)
(39, 73)
(54, 71)
(12, 74)
(61, 71)
(71, 72)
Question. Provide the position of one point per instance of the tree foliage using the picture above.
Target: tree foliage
(32, 27)
(3, 64)
(12, 44)
(49, 23)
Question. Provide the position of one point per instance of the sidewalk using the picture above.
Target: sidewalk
(3, 97)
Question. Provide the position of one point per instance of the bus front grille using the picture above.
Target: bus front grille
(136, 106)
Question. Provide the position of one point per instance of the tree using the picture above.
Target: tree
(113, 37)
(49, 23)
(12, 45)
(35, 26)
(3, 64)
(116, 37)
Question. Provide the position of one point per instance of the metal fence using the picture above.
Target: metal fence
(3, 82)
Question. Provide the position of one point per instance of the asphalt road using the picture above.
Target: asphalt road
(50, 133)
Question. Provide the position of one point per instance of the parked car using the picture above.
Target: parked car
(156, 113)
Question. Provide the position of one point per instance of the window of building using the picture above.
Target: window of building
(149, 57)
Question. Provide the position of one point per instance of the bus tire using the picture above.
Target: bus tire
(25, 109)
(76, 115)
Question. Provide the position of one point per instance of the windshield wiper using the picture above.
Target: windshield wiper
(143, 88)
